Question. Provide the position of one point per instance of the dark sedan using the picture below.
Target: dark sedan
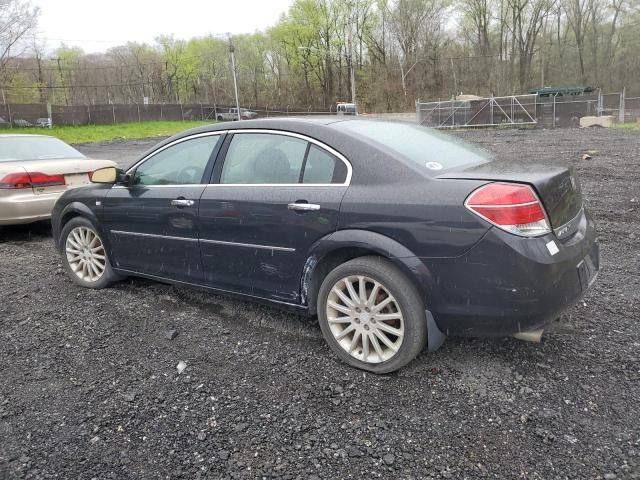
(394, 235)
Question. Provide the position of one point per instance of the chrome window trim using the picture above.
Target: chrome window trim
(240, 185)
(319, 144)
(217, 242)
(175, 142)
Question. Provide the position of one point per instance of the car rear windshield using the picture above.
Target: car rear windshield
(35, 148)
(427, 148)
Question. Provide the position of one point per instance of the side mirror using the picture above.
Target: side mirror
(110, 176)
(105, 175)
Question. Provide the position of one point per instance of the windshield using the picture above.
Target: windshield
(422, 146)
(31, 147)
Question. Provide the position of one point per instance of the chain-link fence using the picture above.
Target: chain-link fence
(32, 115)
(546, 111)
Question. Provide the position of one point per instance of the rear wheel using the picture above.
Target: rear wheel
(371, 315)
(84, 255)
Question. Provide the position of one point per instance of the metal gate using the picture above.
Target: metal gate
(478, 112)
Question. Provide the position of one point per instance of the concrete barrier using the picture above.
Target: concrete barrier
(603, 121)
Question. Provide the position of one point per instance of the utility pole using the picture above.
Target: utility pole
(352, 73)
(353, 85)
(235, 80)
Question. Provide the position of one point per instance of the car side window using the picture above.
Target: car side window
(181, 164)
(322, 167)
(263, 158)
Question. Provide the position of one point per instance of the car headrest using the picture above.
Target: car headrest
(272, 166)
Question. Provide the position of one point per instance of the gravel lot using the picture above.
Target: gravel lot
(90, 387)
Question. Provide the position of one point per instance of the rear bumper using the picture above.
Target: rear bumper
(507, 284)
(21, 207)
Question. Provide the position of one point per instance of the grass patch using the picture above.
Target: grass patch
(628, 126)
(118, 131)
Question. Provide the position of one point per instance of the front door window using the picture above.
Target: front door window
(181, 164)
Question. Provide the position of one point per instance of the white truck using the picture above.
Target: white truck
(231, 114)
(346, 109)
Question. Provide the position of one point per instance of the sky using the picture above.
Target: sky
(97, 25)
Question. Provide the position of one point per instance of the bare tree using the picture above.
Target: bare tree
(17, 19)
(414, 22)
(579, 14)
(478, 18)
(526, 22)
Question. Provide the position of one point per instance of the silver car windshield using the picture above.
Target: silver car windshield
(35, 148)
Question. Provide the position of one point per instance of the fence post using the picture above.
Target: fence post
(491, 109)
(181, 112)
(50, 115)
(554, 110)
(201, 112)
(113, 109)
(621, 113)
(599, 110)
(89, 113)
(512, 110)
(139, 118)
(418, 112)
(4, 100)
(161, 111)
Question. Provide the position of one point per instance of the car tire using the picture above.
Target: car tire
(219, 118)
(395, 311)
(84, 254)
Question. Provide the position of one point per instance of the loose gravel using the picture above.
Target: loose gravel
(145, 380)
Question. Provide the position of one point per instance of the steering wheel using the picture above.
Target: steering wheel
(190, 175)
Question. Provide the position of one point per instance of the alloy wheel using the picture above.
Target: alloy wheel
(86, 254)
(365, 319)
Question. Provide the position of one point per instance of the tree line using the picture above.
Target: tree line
(395, 51)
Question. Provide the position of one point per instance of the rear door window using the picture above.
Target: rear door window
(322, 167)
(273, 159)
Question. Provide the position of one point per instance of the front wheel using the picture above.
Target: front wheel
(84, 255)
(371, 315)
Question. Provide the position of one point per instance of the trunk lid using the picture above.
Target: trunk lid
(75, 171)
(557, 187)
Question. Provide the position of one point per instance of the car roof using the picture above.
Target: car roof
(371, 165)
(300, 124)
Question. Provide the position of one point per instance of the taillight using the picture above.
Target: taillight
(44, 180)
(16, 180)
(512, 207)
(29, 180)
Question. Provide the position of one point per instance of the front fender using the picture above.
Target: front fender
(72, 209)
(379, 244)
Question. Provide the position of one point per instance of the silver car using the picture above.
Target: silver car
(34, 171)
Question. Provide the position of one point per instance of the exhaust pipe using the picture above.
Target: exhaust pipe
(532, 336)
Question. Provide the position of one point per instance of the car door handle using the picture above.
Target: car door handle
(182, 202)
(303, 207)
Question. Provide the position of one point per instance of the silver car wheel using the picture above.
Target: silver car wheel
(86, 254)
(365, 319)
